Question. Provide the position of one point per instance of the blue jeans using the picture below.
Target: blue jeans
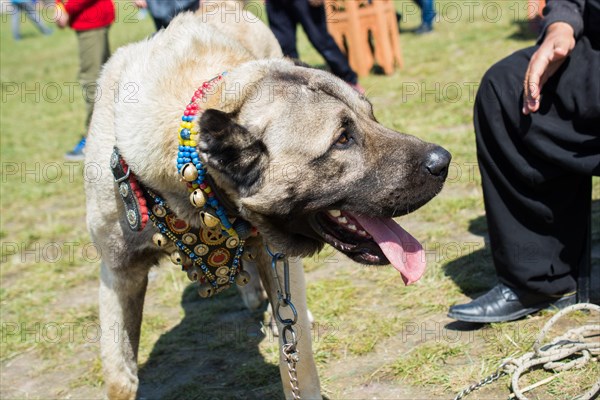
(29, 9)
(163, 11)
(427, 11)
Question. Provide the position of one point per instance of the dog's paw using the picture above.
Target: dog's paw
(121, 390)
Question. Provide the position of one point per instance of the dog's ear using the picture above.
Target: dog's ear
(232, 150)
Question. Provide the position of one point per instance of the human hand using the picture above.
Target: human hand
(140, 3)
(61, 17)
(554, 50)
(316, 3)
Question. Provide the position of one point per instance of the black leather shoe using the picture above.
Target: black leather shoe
(504, 303)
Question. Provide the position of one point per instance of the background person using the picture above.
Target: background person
(285, 15)
(90, 19)
(163, 11)
(427, 16)
(26, 7)
(538, 145)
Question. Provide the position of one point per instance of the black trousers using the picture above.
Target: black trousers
(284, 15)
(536, 170)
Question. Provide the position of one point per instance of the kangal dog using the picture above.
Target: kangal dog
(265, 114)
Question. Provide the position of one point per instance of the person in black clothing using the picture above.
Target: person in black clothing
(285, 15)
(537, 125)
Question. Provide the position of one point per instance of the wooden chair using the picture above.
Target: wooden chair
(352, 22)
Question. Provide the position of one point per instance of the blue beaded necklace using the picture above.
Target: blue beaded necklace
(212, 254)
(191, 168)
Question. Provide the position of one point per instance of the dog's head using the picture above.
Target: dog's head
(308, 164)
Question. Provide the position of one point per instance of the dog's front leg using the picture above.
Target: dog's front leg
(122, 292)
(308, 380)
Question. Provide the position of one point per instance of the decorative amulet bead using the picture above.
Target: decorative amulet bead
(232, 242)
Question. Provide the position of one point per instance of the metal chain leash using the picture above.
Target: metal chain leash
(288, 334)
(575, 341)
(499, 373)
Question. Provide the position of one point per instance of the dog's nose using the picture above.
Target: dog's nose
(436, 162)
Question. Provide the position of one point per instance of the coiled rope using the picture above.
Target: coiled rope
(580, 345)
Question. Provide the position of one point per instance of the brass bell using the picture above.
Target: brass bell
(193, 274)
(189, 172)
(205, 290)
(249, 253)
(242, 278)
(176, 258)
(210, 221)
(186, 261)
(159, 239)
(197, 198)
(232, 242)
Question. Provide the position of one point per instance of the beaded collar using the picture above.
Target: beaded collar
(191, 168)
(210, 254)
(215, 262)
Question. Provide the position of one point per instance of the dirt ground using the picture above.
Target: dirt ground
(195, 370)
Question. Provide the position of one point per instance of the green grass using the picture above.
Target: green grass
(369, 330)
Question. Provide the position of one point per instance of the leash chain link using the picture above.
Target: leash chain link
(284, 299)
(499, 373)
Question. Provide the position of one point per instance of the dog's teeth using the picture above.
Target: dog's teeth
(342, 220)
(362, 233)
(335, 213)
(352, 227)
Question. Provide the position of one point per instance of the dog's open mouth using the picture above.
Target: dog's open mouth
(372, 240)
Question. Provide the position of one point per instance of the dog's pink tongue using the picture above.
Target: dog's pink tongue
(401, 249)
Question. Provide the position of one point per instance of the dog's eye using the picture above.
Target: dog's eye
(344, 140)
